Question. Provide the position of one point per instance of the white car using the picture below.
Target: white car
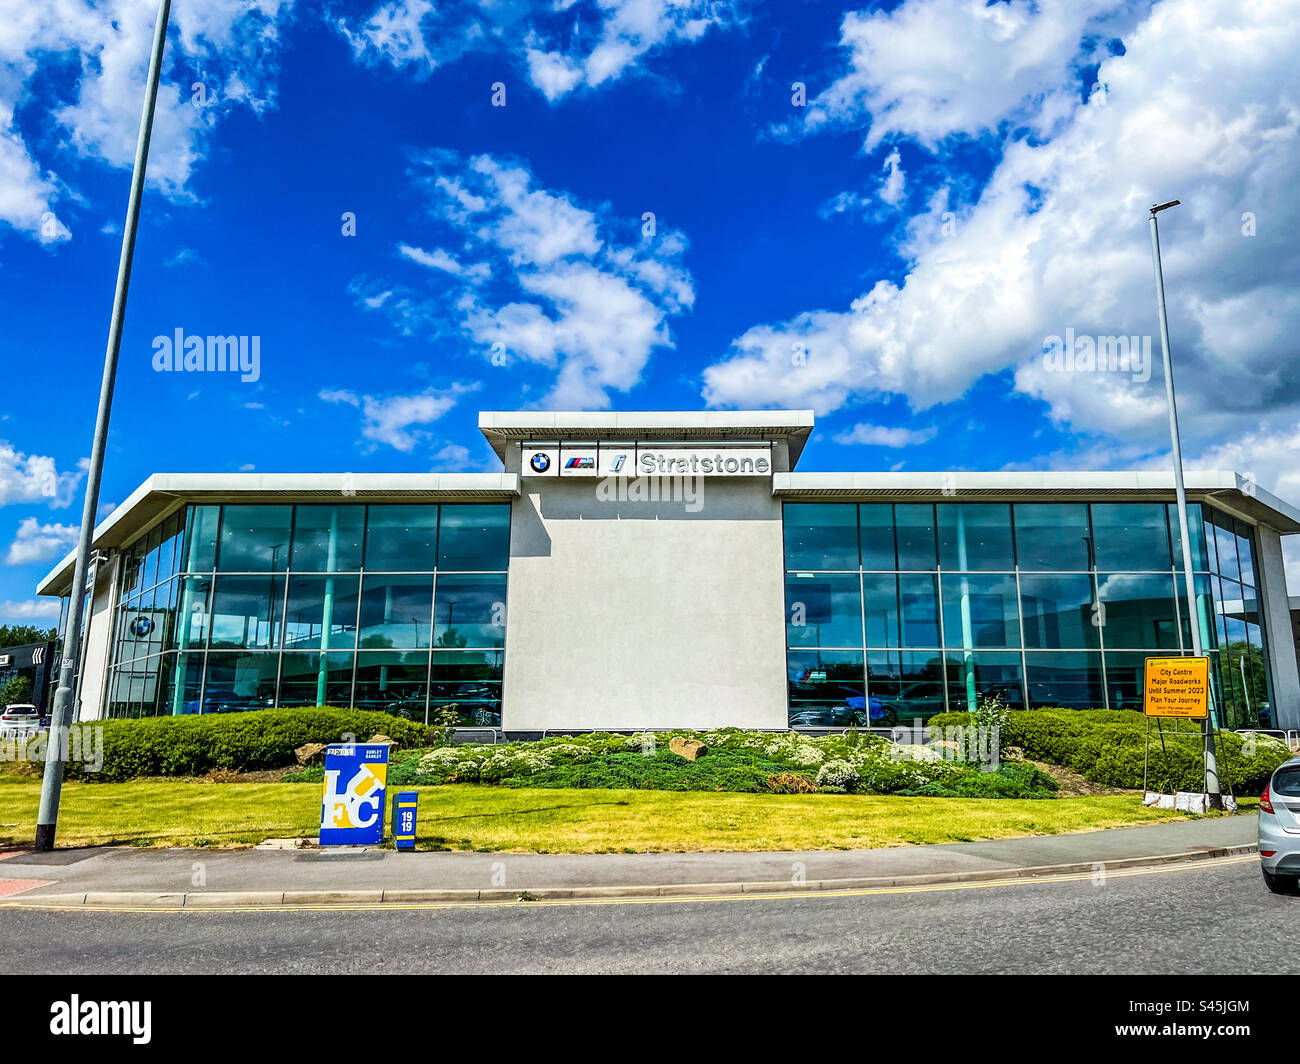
(19, 718)
(1279, 829)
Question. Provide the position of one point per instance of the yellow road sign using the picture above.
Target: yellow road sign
(1177, 687)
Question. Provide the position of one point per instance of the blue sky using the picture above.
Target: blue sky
(893, 245)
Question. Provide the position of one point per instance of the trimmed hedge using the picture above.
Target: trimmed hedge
(241, 742)
(1107, 747)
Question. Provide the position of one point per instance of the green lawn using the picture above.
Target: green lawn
(187, 812)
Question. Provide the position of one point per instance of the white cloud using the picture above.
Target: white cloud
(438, 259)
(33, 478)
(929, 69)
(893, 187)
(398, 420)
(1201, 106)
(885, 435)
(230, 46)
(35, 542)
(564, 46)
(575, 291)
(42, 609)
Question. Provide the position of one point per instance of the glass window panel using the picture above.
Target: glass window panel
(1125, 678)
(1138, 611)
(235, 682)
(827, 689)
(1053, 537)
(327, 539)
(1068, 678)
(821, 536)
(975, 536)
(823, 610)
(1196, 530)
(254, 539)
(152, 545)
(201, 542)
(876, 524)
(321, 605)
(1205, 611)
(396, 611)
(918, 597)
(193, 612)
(311, 679)
(980, 611)
(1131, 536)
(1226, 546)
(246, 611)
(469, 610)
(904, 686)
(1058, 611)
(917, 538)
(393, 681)
(880, 610)
(474, 538)
(975, 675)
(184, 674)
(170, 559)
(402, 539)
(469, 681)
(1245, 554)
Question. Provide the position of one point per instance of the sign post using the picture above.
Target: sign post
(405, 809)
(352, 809)
(1174, 688)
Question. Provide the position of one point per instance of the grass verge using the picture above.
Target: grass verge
(468, 817)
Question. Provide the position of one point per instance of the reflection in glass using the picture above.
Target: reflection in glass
(314, 679)
(246, 611)
(239, 681)
(980, 611)
(469, 610)
(1058, 611)
(821, 536)
(321, 606)
(975, 536)
(826, 687)
(393, 681)
(1054, 537)
(470, 682)
(401, 539)
(254, 539)
(1067, 678)
(474, 538)
(396, 611)
(1138, 611)
(327, 539)
(974, 675)
(1131, 536)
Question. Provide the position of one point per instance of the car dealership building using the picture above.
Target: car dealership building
(664, 569)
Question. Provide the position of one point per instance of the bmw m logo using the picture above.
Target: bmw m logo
(540, 462)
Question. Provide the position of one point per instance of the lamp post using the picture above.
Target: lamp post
(1193, 616)
(48, 815)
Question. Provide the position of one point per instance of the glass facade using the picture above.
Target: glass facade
(400, 608)
(898, 611)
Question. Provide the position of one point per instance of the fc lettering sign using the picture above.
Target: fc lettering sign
(352, 812)
(1177, 687)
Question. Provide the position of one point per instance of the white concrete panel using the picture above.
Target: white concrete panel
(1274, 605)
(645, 614)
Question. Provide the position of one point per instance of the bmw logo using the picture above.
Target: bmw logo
(141, 627)
(540, 462)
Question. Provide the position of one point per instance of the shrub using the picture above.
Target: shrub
(261, 739)
(790, 783)
(1107, 746)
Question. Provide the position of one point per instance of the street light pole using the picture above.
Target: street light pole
(1193, 616)
(48, 815)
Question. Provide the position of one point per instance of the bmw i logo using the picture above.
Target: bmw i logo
(540, 462)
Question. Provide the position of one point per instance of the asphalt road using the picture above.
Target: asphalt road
(1194, 919)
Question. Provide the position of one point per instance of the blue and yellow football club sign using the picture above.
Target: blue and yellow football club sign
(356, 776)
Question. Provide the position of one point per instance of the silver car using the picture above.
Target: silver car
(1279, 829)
